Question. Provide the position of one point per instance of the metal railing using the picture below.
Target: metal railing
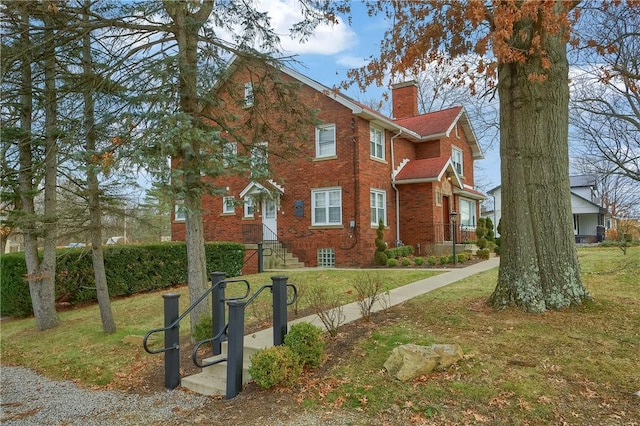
(233, 331)
(443, 232)
(256, 233)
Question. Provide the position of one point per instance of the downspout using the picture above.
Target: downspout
(395, 188)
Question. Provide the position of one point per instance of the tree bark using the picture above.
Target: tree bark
(186, 25)
(40, 274)
(93, 186)
(539, 267)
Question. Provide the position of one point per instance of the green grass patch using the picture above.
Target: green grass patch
(578, 366)
(78, 350)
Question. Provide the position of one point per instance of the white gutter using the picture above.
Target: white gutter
(395, 188)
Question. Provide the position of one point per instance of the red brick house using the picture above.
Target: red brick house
(357, 167)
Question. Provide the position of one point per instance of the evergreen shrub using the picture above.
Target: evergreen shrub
(130, 269)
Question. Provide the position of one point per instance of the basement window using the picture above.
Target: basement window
(326, 258)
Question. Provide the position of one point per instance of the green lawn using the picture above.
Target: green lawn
(79, 351)
(578, 366)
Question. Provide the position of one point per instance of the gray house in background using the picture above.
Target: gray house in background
(589, 218)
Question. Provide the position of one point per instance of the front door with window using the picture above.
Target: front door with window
(270, 220)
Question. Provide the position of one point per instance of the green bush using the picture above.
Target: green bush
(481, 243)
(203, 329)
(398, 252)
(406, 261)
(130, 269)
(380, 256)
(275, 366)
(483, 254)
(419, 261)
(461, 258)
(431, 260)
(392, 262)
(307, 342)
(444, 260)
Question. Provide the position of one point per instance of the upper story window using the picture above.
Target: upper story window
(180, 213)
(377, 143)
(326, 141)
(229, 153)
(259, 159)
(326, 206)
(248, 94)
(378, 207)
(456, 159)
(228, 205)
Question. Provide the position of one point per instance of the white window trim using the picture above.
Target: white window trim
(248, 204)
(327, 191)
(248, 94)
(325, 127)
(180, 213)
(376, 192)
(474, 219)
(372, 131)
(228, 205)
(229, 153)
(461, 153)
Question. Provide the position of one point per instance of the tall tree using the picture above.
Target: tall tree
(39, 50)
(92, 166)
(605, 112)
(180, 63)
(528, 42)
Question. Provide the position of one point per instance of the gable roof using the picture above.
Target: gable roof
(424, 127)
(438, 124)
(427, 170)
(582, 181)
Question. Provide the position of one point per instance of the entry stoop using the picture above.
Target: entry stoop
(212, 380)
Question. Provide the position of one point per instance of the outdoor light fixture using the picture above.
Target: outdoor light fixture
(453, 215)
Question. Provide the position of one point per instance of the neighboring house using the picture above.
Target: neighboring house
(589, 218)
(359, 167)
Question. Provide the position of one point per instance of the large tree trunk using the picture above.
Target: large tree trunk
(186, 26)
(539, 267)
(93, 186)
(40, 274)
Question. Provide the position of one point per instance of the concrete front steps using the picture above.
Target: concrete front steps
(271, 261)
(212, 380)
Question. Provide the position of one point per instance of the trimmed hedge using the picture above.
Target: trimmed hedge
(130, 270)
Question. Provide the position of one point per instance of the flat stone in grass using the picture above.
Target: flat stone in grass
(410, 361)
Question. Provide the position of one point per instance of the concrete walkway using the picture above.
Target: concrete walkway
(351, 312)
(212, 380)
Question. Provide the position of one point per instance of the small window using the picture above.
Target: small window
(378, 207)
(326, 258)
(248, 94)
(229, 153)
(228, 205)
(456, 159)
(377, 143)
(438, 197)
(260, 159)
(248, 207)
(180, 213)
(326, 141)
(327, 206)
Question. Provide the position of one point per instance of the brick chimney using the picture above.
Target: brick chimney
(404, 97)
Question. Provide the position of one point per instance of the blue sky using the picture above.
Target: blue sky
(334, 49)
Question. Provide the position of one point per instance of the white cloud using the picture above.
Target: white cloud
(327, 39)
(351, 61)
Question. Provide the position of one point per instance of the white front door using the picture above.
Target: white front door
(270, 220)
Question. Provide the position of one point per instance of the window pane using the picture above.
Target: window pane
(334, 214)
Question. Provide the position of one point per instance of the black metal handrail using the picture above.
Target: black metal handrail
(233, 329)
(256, 233)
(444, 232)
(188, 311)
